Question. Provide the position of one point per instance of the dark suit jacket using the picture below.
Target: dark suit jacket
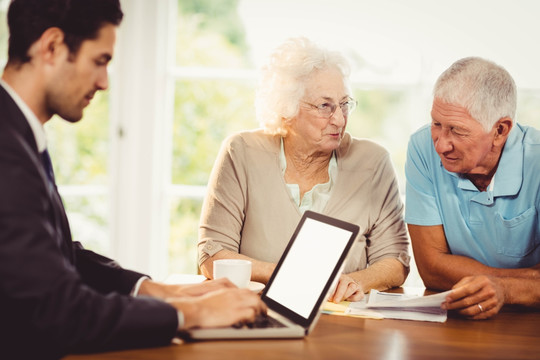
(55, 296)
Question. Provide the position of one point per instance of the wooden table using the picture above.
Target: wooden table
(513, 334)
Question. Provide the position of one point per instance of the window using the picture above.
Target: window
(81, 164)
(215, 76)
(396, 58)
(133, 173)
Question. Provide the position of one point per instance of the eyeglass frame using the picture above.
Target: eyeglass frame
(333, 107)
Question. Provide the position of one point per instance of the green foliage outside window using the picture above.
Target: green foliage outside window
(83, 147)
(207, 111)
(183, 235)
(80, 154)
(209, 34)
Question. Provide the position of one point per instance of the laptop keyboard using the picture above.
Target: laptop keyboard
(261, 322)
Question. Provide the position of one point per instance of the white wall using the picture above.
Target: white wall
(392, 42)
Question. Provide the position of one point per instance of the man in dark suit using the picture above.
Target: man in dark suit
(55, 296)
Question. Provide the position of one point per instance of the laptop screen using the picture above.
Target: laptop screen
(309, 265)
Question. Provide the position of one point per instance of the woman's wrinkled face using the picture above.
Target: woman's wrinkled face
(310, 128)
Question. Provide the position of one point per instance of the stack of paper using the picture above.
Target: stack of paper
(400, 306)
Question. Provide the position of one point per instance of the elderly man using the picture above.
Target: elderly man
(473, 193)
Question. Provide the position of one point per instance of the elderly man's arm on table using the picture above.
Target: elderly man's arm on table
(473, 282)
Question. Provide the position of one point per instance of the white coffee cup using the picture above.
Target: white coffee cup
(238, 271)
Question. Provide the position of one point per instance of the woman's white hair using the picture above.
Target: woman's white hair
(484, 88)
(283, 78)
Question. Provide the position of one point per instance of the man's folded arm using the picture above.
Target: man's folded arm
(440, 269)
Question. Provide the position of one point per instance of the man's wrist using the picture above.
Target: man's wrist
(136, 289)
(506, 285)
(180, 319)
(187, 313)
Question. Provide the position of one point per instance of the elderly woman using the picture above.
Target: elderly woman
(263, 180)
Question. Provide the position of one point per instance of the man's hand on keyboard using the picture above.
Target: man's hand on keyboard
(219, 308)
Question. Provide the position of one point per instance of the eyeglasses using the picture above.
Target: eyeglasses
(328, 109)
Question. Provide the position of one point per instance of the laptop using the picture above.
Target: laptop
(307, 271)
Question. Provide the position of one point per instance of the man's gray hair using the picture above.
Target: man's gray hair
(283, 79)
(482, 87)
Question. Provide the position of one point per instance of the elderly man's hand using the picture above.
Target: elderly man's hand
(476, 297)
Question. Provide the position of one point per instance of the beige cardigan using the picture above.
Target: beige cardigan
(248, 208)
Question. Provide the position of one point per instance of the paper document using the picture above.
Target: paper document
(401, 306)
(341, 309)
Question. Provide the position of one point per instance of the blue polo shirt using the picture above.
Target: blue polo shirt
(499, 227)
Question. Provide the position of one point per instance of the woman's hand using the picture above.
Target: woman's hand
(347, 289)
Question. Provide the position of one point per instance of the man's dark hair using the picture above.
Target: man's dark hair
(79, 20)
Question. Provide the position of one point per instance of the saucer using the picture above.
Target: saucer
(256, 287)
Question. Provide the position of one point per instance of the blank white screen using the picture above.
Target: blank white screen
(311, 259)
